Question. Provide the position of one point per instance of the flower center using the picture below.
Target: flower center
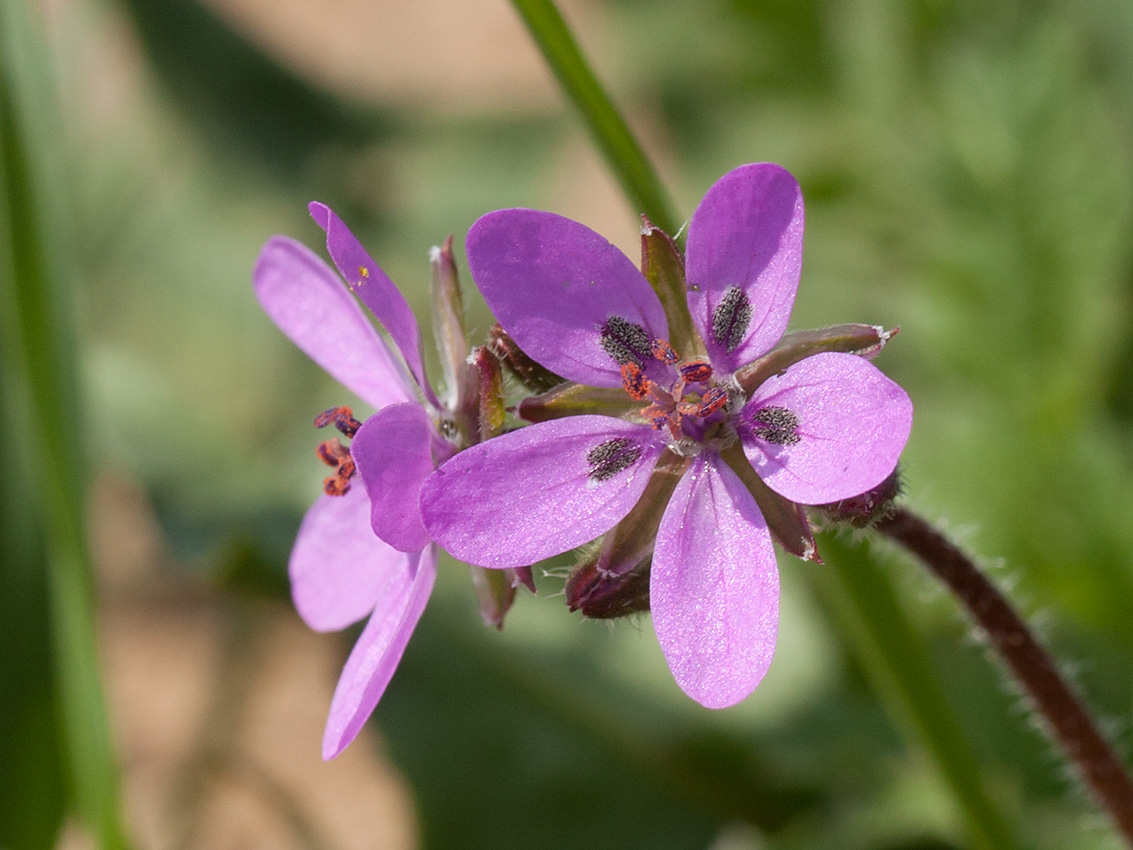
(333, 453)
(692, 406)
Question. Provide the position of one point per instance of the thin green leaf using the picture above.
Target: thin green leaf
(31, 776)
(622, 152)
(40, 368)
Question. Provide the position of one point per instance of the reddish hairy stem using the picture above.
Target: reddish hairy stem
(1066, 717)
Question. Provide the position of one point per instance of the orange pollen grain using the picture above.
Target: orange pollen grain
(661, 350)
(696, 372)
(634, 381)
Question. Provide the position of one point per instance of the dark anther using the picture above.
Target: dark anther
(658, 417)
(664, 352)
(339, 483)
(776, 425)
(332, 452)
(609, 458)
(341, 417)
(696, 372)
(731, 318)
(625, 341)
(634, 381)
(714, 399)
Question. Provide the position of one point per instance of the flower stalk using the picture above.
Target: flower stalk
(1066, 718)
(609, 130)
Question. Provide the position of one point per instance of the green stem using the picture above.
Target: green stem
(40, 362)
(1066, 719)
(623, 154)
(870, 613)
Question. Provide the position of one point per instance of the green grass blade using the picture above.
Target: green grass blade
(866, 606)
(41, 378)
(612, 135)
(32, 783)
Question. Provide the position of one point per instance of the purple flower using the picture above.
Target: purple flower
(702, 444)
(360, 550)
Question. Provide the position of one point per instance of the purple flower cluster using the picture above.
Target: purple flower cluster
(688, 432)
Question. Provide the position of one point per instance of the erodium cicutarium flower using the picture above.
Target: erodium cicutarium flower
(357, 555)
(714, 448)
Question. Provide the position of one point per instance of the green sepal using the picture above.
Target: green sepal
(448, 318)
(535, 376)
(574, 400)
(786, 520)
(492, 408)
(862, 340)
(495, 592)
(664, 268)
(462, 384)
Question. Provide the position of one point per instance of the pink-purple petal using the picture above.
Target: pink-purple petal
(853, 423)
(745, 250)
(308, 302)
(367, 280)
(337, 566)
(538, 491)
(553, 284)
(393, 452)
(714, 587)
(378, 651)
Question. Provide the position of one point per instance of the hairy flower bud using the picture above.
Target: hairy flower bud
(604, 595)
(535, 376)
(866, 508)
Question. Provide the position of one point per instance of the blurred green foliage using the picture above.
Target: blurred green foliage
(968, 176)
(48, 626)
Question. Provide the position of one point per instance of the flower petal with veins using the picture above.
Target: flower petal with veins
(853, 422)
(744, 258)
(394, 454)
(375, 656)
(309, 303)
(337, 565)
(367, 280)
(539, 491)
(714, 586)
(554, 284)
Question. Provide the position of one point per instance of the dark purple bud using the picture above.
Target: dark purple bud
(604, 595)
(865, 509)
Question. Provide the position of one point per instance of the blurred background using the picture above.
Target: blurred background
(967, 172)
